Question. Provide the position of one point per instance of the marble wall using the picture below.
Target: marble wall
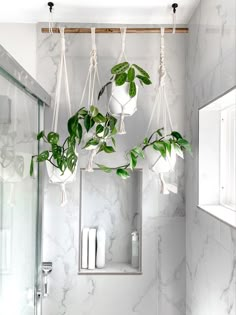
(210, 244)
(161, 288)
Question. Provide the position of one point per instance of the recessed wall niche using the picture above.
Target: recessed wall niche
(114, 204)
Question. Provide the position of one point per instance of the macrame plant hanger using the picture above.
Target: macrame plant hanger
(89, 86)
(122, 114)
(163, 119)
(54, 174)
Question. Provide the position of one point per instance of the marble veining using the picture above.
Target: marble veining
(210, 244)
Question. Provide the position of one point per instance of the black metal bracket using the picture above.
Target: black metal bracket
(174, 6)
(51, 5)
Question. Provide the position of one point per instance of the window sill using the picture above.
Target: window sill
(220, 212)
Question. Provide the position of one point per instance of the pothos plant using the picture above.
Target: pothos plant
(158, 142)
(130, 73)
(105, 129)
(64, 156)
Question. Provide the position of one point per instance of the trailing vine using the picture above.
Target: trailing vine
(162, 144)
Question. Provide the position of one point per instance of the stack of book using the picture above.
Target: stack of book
(93, 248)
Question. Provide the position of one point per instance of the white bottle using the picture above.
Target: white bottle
(101, 248)
(92, 248)
(135, 249)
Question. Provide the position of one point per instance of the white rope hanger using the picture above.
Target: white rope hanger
(62, 66)
(163, 119)
(113, 97)
(53, 176)
(123, 41)
(90, 83)
(93, 74)
(161, 106)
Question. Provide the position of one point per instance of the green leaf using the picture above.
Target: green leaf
(131, 74)
(71, 162)
(145, 141)
(108, 149)
(120, 68)
(111, 121)
(144, 79)
(121, 78)
(79, 133)
(141, 71)
(40, 135)
(32, 166)
(103, 89)
(159, 132)
(168, 146)
(132, 160)
(53, 137)
(113, 141)
(138, 150)
(114, 131)
(71, 141)
(99, 129)
(176, 135)
(160, 146)
(88, 122)
(122, 173)
(185, 144)
(93, 142)
(93, 111)
(132, 89)
(106, 132)
(104, 168)
(99, 118)
(72, 125)
(83, 112)
(56, 151)
(43, 156)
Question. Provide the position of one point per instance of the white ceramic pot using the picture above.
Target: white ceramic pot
(56, 177)
(159, 164)
(119, 101)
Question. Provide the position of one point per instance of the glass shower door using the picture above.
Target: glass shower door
(19, 201)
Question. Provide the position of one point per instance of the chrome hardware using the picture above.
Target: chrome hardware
(46, 270)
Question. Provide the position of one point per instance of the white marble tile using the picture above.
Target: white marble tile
(210, 244)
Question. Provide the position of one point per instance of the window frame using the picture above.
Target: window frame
(219, 210)
(225, 113)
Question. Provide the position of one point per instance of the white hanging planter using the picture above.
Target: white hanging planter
(158, 164)
(120, 102)
(56, 177)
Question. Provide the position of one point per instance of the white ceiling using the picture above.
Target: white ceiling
(97, 11)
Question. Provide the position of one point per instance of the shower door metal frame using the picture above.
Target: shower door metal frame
(11, 70)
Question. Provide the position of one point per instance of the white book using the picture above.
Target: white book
(92, 248)
(84, 259)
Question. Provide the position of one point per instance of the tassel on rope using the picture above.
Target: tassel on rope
(163, 190)
(64, 199)
(92, 155)
(122, 130)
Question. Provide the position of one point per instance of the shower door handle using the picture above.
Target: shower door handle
(46, 270)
